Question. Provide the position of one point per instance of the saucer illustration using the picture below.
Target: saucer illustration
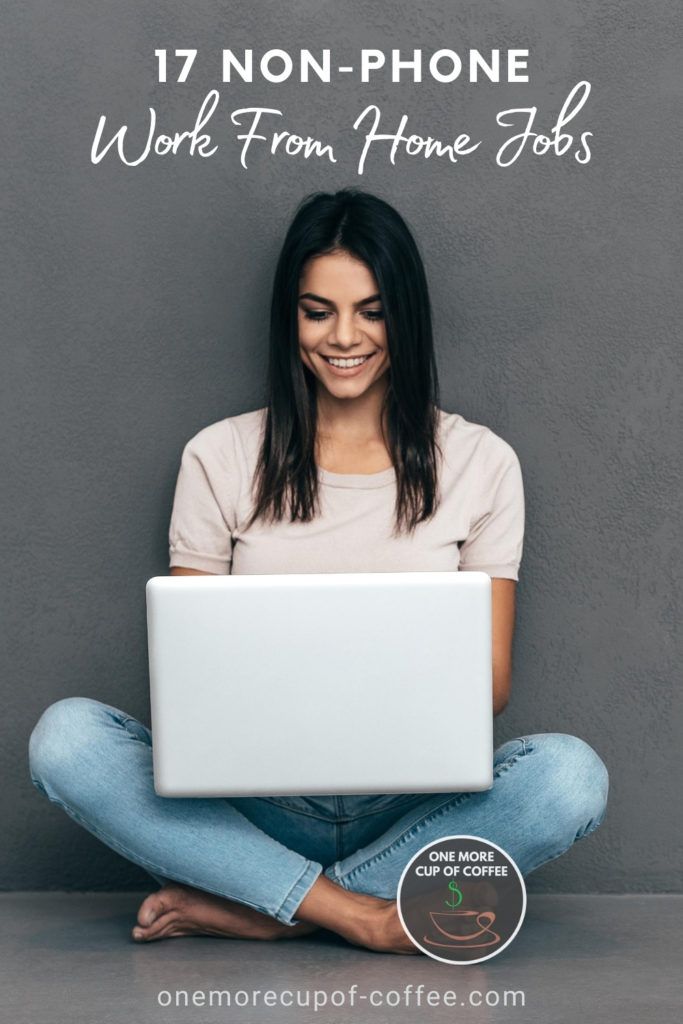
(463, 929)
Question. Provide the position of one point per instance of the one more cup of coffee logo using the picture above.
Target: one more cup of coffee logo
(461, 899)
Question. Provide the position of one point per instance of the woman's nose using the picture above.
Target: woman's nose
(346, 329)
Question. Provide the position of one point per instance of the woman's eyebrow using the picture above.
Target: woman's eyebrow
(328, 302)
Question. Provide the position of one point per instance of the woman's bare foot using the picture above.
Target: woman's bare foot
(362, 920)
(180, 910)
(378, 926)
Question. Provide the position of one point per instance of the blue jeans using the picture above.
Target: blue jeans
(95, 762)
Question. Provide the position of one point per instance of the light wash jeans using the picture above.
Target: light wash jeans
(95, 762)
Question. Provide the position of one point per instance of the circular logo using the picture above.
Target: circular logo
(461, 899)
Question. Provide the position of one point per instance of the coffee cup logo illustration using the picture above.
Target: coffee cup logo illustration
(461, 899)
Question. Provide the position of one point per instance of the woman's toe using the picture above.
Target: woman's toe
(158, 925)
(151, 908)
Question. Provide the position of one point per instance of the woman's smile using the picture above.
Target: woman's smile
(347, 366)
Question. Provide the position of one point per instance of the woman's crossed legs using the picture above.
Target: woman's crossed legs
(277, 868)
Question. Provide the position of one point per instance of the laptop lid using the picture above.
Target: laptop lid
(320, 683)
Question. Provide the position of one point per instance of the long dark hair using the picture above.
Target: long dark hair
(368, 228)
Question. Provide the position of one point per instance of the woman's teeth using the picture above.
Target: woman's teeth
(345, 364)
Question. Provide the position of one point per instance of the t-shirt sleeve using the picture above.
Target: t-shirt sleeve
(494, 543)
(204, 504)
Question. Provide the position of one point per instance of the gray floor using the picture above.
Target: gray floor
(68, 957)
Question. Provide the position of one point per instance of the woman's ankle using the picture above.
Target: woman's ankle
(326, 904)
(361, 919)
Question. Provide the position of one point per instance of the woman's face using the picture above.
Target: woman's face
(341, 321)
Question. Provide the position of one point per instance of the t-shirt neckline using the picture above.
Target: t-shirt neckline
(363, 480)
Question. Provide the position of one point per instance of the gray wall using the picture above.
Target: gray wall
(136, 313)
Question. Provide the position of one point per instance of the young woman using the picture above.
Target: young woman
(351, 466)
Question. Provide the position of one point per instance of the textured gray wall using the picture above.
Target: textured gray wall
(136, 314)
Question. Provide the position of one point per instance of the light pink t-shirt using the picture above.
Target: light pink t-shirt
(479, 524)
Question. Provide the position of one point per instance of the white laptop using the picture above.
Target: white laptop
(321, 683)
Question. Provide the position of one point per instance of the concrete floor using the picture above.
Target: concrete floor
(69, 958)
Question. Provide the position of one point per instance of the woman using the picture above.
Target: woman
(351, 466)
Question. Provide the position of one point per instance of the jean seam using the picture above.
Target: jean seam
(310, 868)
(142, 861)
(298, 810)
(592, 827)
(347, 820)
(125, 722)
(384, 810)
(413, 828)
